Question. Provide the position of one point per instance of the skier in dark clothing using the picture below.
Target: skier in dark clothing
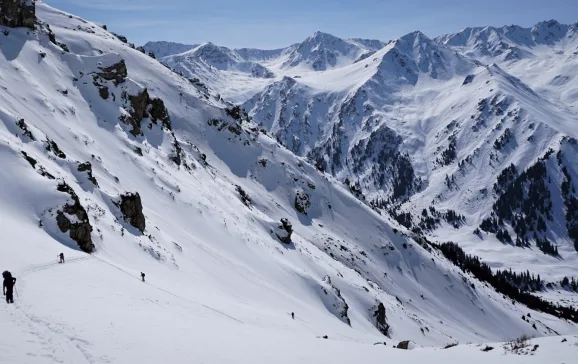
(142, 275)
(293, 315)
(61, 256)
(8, 286)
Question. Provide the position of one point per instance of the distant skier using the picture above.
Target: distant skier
(61, 256)
(293, 315)
(142, 275)
(8, 286)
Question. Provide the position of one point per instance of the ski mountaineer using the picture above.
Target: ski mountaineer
(8, 286)
(142, 275)
(293, 315)
(61, 256)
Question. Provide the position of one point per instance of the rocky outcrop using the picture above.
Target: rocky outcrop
(74, 219)
(18, 13)
(334, 301)
(143, 106)
(302, 201)
(381, 319)
(284, 231)
(244, 196)
(131, 207)
(87, 167)
(116, 73)
(403, 345)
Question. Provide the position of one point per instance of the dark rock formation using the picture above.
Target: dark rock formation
(131, 207)
(144, 106)
(381, 319)
(51, 146)
(122, 38)
(18, 13)
(87, 167)
(302, 202)
(116, 73)
(244, 196)
(403, 345)
(284, 231)
(80, 229)
(26, 132)
(30, 160)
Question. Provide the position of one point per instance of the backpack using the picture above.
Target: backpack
(6, 274)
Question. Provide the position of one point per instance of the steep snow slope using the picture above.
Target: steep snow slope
(214, 259)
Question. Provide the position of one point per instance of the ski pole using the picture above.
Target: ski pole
(16, 290)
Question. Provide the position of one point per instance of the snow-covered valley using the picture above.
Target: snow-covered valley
(127, 166)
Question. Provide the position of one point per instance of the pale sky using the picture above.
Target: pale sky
(275, 24)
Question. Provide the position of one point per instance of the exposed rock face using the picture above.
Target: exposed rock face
(284, 231)
(87, 167)
(403, 345)
(18, 13)
(142, 107)
(131, 208)
(381, 319)
(334, 301)
(302, 201)
(116, 73)
(80, 229)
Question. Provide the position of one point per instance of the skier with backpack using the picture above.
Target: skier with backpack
(8, 286)
(61, 256)
(142, 275)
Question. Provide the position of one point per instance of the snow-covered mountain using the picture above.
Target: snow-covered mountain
(129, 167)
(419, 126)
(545, 56)
(237, 74)
(163, 48)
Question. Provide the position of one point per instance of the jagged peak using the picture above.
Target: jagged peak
(319, 35)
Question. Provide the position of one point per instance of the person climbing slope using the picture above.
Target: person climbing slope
(142, 275)
(8, 286)
(61, 256)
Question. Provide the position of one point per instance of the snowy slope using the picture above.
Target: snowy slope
(218, 275)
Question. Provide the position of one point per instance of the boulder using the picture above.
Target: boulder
(284, 231)
(404, 345)
(302, 201)
(131, 207)
(18, 13)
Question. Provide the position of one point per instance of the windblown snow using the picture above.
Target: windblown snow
(238, 220)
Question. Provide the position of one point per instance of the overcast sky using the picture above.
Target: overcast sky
(273, 23)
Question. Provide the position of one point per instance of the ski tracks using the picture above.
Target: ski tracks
(58, 342)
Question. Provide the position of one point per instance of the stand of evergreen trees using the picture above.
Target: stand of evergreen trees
(571, 284)
(506, 283)
(570, 200)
